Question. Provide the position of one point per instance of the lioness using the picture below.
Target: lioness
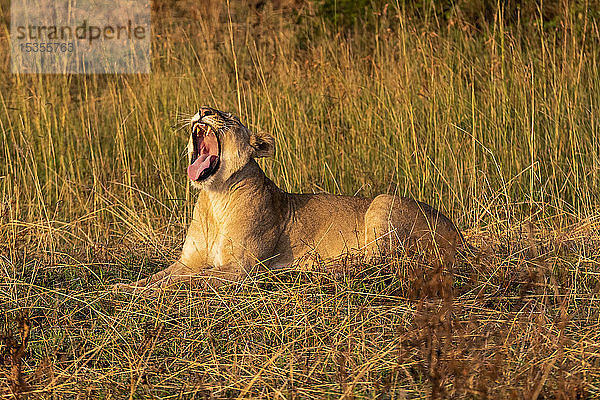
(242, 220)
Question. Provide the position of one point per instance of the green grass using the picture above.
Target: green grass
(497, 127)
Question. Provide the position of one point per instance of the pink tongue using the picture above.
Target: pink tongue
(202, 162)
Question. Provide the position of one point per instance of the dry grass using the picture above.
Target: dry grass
(496, 127)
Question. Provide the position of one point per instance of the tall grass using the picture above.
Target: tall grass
(496, 126)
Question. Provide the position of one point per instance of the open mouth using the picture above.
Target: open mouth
(205, 157)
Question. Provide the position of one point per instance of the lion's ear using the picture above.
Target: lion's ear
(263, 144)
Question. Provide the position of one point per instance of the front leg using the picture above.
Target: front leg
(177, 272)
(194, 269)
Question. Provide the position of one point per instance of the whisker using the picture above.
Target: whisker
(178, 128)
(182, 117)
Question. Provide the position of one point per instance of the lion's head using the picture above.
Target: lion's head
(220, 145)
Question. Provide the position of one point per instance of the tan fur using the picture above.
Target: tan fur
(242, 222)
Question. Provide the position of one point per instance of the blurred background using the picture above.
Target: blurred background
(487, 110)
